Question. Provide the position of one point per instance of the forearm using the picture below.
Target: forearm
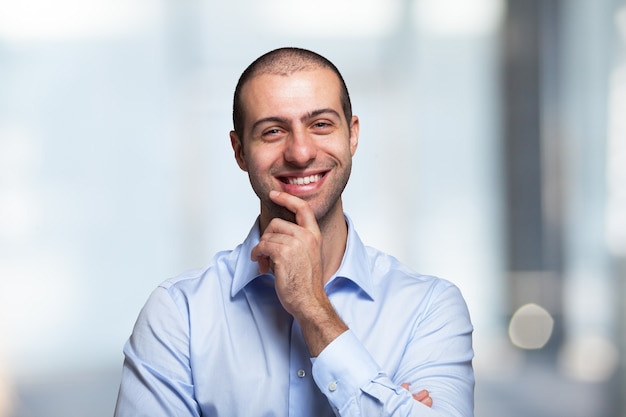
(355, 386)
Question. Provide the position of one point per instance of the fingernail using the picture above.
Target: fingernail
(274, 193)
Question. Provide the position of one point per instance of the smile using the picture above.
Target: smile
(303, 180)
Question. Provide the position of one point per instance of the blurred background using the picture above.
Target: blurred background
(492, 153)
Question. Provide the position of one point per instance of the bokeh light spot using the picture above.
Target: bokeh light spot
(531, 327)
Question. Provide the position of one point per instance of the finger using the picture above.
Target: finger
(428, 401)
(304, 214)
(271, 247)
(264, 264)
(262, 254)
(419, 396)
(274, 240)
(424, 397)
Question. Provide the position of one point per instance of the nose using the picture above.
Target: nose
(300, 148)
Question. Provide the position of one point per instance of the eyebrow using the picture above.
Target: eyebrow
(319, 112)
(307, 116)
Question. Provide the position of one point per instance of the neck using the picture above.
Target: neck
(334, 241)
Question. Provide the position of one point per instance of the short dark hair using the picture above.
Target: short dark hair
(285, 61)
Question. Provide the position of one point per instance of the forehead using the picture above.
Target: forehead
(291, 95)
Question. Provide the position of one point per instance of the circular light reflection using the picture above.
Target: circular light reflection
(531, 327)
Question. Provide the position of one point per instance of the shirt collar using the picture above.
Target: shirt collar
(355, 265)
(245, 269)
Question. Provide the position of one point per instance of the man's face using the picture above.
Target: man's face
(296, 140)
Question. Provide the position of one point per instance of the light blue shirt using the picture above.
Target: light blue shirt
(217, 342)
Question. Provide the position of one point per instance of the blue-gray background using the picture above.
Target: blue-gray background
(116, 173)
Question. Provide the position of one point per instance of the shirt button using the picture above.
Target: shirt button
(301, 373)
(332, 386)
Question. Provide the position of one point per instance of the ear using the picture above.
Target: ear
(238, 149)
(354, 134)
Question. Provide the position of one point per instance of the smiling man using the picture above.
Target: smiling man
(301, 319)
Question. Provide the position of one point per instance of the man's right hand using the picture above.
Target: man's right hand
(294, 252)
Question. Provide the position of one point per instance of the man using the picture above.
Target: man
(301, 319)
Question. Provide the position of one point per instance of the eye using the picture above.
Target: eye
(272, 133)
(322, 126)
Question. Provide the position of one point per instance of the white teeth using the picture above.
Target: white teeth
(304, 180)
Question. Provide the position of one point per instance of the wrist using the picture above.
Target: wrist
(320, 326)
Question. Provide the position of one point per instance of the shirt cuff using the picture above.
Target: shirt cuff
(343, 368)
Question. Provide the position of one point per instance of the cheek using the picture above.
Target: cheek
(259, 163)
(262, 158)
(342, 153)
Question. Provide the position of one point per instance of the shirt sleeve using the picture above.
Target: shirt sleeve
(438, 358)
(156, 377)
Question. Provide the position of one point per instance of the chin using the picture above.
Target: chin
(279, 212)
